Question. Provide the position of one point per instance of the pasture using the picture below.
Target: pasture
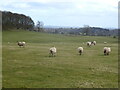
(31, 67)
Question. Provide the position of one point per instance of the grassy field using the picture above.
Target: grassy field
(31, 67)
(0, 59)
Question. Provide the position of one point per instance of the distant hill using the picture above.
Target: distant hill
(91, 31)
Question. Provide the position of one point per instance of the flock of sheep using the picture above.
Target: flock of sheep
(53, 50)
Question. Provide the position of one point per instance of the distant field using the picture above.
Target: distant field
(31, 67)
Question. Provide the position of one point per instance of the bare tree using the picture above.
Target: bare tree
(86, 30)
(40, 26)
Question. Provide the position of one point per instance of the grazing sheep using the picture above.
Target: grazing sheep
(53, 51)
(94, 42)
(106, 50)
(21, 44)
(89, 44)
(80, 50)
(105, 42)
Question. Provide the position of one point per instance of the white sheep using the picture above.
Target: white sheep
(89, 44)
(94, 42)
(21, 44)
(106, 50)
(53, 51)
(80, 50)
(105, 42)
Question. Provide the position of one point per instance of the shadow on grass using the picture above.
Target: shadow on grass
(103, 55)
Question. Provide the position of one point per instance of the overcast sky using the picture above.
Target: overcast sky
(98, 13)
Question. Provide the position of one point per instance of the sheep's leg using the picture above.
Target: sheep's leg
(105, 52)
(51, 53)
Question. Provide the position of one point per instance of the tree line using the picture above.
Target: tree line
(19, 21)
(83, 31)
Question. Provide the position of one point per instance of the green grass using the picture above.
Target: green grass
(0, 59)
(31, 67)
